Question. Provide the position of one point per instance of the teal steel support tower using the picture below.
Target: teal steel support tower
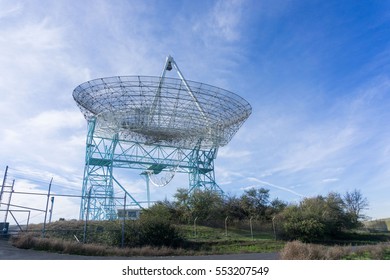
(158, 125)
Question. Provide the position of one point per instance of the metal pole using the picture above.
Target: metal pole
(51, 209)
(146, 174)
(8, 204)
(147, 188)
(123, 222)
(86, 215)
(28, 220)
(273, 226)
(250, 223)
(3, 185)
(47, 206)
(195, 233)
(226, 229)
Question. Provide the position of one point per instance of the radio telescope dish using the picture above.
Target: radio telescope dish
(162, 110)
(159, 125)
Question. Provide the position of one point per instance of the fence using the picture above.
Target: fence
(249, 228)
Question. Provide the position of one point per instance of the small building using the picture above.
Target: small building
(130, 214)
(4, 229)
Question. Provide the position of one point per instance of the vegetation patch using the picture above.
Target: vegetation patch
(206, 223)
(297, 250)
(29, 241)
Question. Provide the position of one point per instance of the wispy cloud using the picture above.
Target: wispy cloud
(48, 133)
(226, 18)
(229, 152)
(221, 22)
(315, 147)
(267, 184)
(330, 180)
(9, 9)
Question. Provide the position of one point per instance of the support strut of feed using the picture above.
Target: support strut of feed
(155, 109)
(156, 105)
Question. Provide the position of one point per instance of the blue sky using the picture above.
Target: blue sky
(315, 72)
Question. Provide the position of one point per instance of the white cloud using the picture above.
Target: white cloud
(49, 139)
(267, 184)
(9, 9)
(230, 152)
(330, 180)
(49, 122)
(223, 22)
(316, 146)
(226, 19)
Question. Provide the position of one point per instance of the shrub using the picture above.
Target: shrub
(155, 232)
(314, 218)
(150, 231)
(304, 230)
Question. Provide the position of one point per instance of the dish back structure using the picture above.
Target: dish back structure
(154, 124)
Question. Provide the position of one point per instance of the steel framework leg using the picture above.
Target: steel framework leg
(98, 193)
(202, 175)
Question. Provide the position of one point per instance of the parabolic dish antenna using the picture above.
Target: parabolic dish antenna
(159, 125)
(163, 110)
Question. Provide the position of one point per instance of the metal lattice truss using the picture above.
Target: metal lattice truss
(162, 110)
(103, 155)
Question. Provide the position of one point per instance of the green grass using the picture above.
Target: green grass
(370, 254)
(257, 246)
(204, 233)
(362, 256)
(386, 255)
(215, 240)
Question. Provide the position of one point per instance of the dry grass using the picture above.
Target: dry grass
(28, 241)
(375, 252)
(337, 252)
(297, 250)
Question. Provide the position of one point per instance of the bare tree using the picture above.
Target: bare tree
(355, 203)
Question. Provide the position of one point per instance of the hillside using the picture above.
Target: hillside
(380, 225)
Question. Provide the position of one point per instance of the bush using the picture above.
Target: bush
(155, 232)
(314, 218)
(150, 231)
(304, 230)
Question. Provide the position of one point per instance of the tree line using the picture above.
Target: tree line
(310, 219)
